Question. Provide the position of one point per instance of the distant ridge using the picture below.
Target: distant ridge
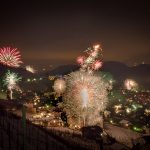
(63, 69)
(19, 70)
(120, 71)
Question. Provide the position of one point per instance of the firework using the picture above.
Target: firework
(30, 69)
(85, 97)
(130, 84)
(59, 86)
(10, 57)
(86, 93)
(11, 80)
(92, 60)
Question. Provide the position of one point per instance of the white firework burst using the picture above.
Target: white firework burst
(85, 97)
(130, 84)
(11, 80)
(59, 86)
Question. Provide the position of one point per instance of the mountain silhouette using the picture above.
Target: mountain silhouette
(119, 71)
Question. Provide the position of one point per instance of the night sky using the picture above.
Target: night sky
(57, 31)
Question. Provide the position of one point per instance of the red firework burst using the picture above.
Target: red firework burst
(10, 57)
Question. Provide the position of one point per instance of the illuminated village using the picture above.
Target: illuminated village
(74, 75)
(85, 98)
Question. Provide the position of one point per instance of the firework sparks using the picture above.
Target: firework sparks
(92, 61)
(97, 64)
(10, 81)
(10, 57)
(85, 97)
(130, 84)
(59, 86)
(30, 69)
